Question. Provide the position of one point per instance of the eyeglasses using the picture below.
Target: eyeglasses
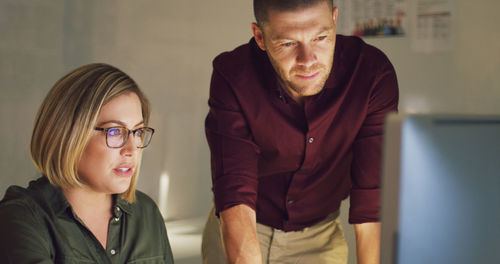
(116, 137)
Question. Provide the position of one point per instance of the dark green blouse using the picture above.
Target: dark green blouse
(38, 225)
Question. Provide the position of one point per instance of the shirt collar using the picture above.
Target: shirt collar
(122, 204)
(54, 197)
(49, 195)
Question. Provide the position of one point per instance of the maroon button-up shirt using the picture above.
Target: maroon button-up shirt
(292, 164)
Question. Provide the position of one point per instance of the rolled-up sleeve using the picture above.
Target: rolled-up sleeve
(234, 155)
(367, 149)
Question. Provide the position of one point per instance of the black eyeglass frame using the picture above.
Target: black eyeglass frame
(128, 133)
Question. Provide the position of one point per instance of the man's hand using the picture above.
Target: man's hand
(239, 234)
(368, 243)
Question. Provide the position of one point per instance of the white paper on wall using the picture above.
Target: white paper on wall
(432, 25)
(372, 18)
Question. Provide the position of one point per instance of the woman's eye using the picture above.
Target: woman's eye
(139, 132)
(114, 132)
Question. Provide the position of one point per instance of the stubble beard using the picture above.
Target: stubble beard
(303, 87)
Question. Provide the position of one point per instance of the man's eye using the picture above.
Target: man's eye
(287, 44)
(321, 37)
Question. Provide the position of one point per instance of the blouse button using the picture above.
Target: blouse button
(311, 140)
(113, 252)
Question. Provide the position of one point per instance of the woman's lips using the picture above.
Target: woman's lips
(124, 171)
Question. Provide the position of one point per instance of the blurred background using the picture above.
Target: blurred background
(167, 47)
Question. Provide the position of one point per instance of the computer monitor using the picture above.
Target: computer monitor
(441, 189)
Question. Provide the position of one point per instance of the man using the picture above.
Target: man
(294, 127)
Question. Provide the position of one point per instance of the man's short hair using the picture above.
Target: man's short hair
(66, 119)
(261, 7)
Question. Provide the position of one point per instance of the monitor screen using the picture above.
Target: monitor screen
(441, 189)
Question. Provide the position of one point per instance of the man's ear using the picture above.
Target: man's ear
(258, 35)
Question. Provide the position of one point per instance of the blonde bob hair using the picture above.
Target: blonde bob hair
(67, 117)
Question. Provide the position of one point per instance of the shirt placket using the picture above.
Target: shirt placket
(299, 177)
(113, 248)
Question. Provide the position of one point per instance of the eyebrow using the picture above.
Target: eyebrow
(118, 122)
(319, 32)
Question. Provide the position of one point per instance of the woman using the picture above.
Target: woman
(87, 143)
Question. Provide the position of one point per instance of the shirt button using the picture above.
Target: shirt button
(291, 201)
(311, 140)
(113, 252)
(117, 219)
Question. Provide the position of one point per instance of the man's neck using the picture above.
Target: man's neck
(299, 99)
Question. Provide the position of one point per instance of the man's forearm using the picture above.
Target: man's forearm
(239, 234)
(368, 242)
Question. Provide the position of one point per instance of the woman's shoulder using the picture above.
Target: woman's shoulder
(22, 225)
(143, 199)
(39, 196)
(19, 198)
(144, 204)
(18, 211)
(17, 202)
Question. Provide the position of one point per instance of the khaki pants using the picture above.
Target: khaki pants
(321, 243)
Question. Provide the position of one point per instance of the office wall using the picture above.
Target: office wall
(465, 79)
(167, 47)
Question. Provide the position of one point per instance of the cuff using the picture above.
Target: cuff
(365, 206)
(234, 191)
